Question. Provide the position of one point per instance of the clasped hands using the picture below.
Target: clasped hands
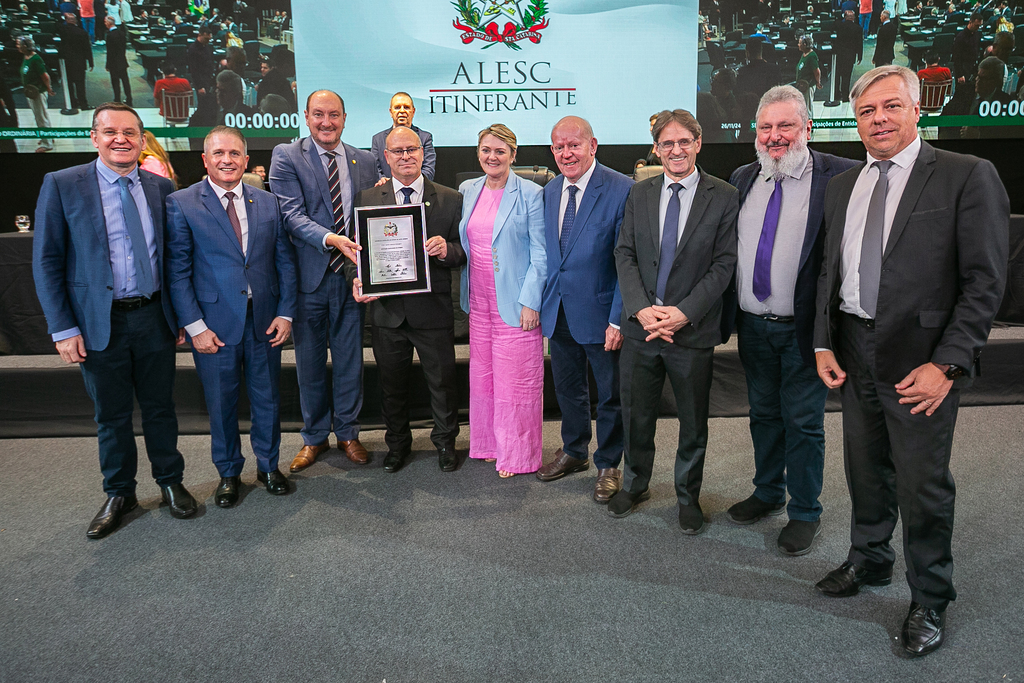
(926, 385)
(661, 321)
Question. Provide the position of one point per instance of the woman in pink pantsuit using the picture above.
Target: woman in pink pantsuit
(502, 231)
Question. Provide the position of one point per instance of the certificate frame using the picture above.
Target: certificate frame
(385, 267)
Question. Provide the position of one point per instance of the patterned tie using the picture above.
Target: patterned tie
(567, 220)
(140, 248)
(338, 207)
(669, 238)
(407, 191)
(763, 261)
(233, 217)
(871, 249)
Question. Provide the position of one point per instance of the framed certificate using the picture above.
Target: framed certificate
(393, 259)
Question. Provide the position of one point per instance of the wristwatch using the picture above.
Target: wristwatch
(955, 372)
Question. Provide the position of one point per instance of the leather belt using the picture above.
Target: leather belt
(772, 318)
(863, 322)
(134, 303)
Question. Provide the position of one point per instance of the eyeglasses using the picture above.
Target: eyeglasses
(129, 134)
(573, 148)
(669, 145)
(411, 151)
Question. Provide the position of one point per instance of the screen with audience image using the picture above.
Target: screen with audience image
(187, 65)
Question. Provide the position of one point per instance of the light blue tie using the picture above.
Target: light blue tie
(567, 220)
(140, 248)
(669, 238)
(407, 191)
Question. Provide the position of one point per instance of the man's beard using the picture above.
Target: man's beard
(790, 162)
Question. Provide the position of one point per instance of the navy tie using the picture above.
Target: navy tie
(762, 282)
(669, 239)
(140, 248)
(407, 192)
(567, 220)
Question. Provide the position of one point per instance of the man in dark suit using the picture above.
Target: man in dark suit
(402, 110)
(966, 50)
(76, 51)
(913, 274)
(97, 264)
(201, 66)
(849, 51)
(675, 257)
(232, 275)
(780, 238)
(582, 306)
(425, 322)
(885, 41)
(117, 61)
(757, 75)
(317, 178)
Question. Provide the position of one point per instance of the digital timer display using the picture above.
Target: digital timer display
(1013, 108)
(258, 120)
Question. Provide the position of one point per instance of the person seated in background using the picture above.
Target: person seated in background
(723, 86)
(227, 99)
(402, 111)
(988, 87)
(170, 82)
(933, 73)
(757, 76)
(275, 80)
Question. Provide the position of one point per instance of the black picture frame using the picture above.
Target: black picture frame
(366, 216)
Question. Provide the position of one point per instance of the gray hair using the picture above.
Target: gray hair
(27, 42)
(784, 93)
(871, 77)
(806, 40)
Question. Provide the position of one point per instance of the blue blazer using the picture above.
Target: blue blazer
(825, 167)
(71, 252)
(207, 273)
(584, 278)
(298, 179)
(429, 155)
(520, 267)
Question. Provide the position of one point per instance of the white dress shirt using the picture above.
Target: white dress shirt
(417, 190)
(581, 186)
(856, 217)
(686, 195)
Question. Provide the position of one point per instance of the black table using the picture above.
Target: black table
(22, 325)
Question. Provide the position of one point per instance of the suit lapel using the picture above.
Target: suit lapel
(820, 175)
(654, 209)
(508, 200)
(149, 186)
(252, 216)
(701, 199)
(834, 243)
(317, 168)
(353, 169)
(220, 215)
(586, 207)
(88, 186)
(429, 198)
(919, 175)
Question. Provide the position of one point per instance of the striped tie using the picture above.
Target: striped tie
(338, 207)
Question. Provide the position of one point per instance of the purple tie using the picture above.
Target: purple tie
(763, 260)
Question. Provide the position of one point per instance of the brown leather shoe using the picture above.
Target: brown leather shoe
(355, 451)
(307, 456)
(562, 465)
(609, 481)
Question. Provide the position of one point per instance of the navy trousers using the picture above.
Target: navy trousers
(221, 376)
(138, 363)
(328, 317)
(787, 413)
(569, 361)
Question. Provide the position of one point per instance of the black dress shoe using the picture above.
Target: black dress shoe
(623, 502)
(179, 500)
(691, 519)
(847, 580)
(227, 492)
(447, 459)
(923, 630)
(109, 516)
(394, 460)
(276, 483)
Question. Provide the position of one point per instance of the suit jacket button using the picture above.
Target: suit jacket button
(247, 266)
(110, 288)
(561, 270)
(244, 292)
(496, 269)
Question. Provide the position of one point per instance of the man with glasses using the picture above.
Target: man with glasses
(316, 178)
(98, 267)
(675, 257)
(582, 307)
(402, 110)
(424, 322)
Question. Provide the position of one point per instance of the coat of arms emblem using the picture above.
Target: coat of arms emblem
(479, 20)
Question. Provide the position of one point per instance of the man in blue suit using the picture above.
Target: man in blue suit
(97, 264)
(781, 233)
(582, 306)
(317, 179)
(402, 110)
(232, 276)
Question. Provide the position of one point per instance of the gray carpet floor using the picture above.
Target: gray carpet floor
(425, 576)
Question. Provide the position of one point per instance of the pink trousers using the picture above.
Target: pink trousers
(506, 382)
